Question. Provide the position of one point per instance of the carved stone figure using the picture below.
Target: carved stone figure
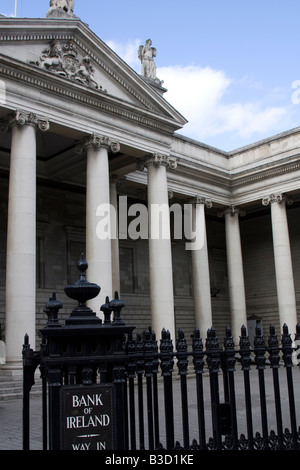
(85, 73)
(52, 58)
(62, 6)
(146, 54)
(63, 60)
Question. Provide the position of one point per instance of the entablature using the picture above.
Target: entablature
(261, 166)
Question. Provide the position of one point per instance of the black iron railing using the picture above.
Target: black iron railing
(216, 410)
(205, 397)
(156, 394)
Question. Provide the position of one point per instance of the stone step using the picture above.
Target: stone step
(10, 395)
(13, 385)
(13, 393)
(13, 388)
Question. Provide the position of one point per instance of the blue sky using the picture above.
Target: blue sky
(232, 68)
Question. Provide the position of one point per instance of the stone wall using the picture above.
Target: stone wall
(259, 269)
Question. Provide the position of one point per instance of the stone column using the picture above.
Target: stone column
(283, 261)
(115, 258)
(21, 236)
(98, 217)
(160, 254)
(236, 284)
(200, 265)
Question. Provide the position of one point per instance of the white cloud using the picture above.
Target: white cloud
(249, 119)
(198, 94)
(128, 51)
(203, 96)
(195, 89)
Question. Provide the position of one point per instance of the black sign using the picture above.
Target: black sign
(88, 417)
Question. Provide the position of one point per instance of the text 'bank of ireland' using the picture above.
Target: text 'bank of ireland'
(88, 417)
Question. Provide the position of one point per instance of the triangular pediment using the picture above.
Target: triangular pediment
(69, 50)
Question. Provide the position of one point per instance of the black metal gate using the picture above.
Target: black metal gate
(156, 394)
(199, 393)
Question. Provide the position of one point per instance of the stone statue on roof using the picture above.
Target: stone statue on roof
(146, 54)
(61, 8)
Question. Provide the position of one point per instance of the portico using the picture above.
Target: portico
(80, 152)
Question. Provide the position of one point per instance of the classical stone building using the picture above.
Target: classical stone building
(79, 130)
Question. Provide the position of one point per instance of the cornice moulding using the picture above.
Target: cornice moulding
(186, 187)
(241, 176)
(243, 188)
(193, 167)
(178, 138)
(268, 141)
(266, 172)
(40, 79)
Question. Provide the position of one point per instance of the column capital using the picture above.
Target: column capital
(96, 141)
(277, 197)
(198, 199)
(232, 210)
(157, 160)
(22, 118)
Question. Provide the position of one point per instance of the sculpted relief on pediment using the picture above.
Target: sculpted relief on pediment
(63, 59)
